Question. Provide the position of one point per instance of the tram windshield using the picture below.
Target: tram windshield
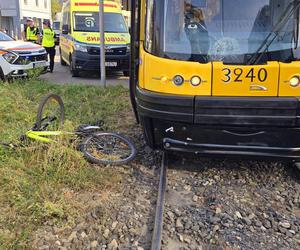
(232, 31)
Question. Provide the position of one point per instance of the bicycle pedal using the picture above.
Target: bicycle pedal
(23, 138)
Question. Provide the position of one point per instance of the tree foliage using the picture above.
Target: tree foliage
(55, 7)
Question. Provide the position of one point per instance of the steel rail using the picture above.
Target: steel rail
(159, 213)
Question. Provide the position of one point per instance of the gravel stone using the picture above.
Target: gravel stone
(267, 224)
(251, 216)
(113, 245)
(282, 230)
(179, 224)
(285, 224)
(187, 240)
(171, 215)
(94, 244)
(180, 237)
(114, 225)
(45, 247)
(218, 210)
(215, 220)
(258, 223)
(106, 233)
(72, 236)
(247, 221)
(83, 235)
(238, 215)
(195, 198)
(57, 243)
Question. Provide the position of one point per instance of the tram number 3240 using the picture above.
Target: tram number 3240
(238, 74)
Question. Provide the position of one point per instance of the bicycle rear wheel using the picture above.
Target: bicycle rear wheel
(51, 113)
(108, 149)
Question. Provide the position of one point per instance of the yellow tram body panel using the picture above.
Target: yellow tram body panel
(158, 76)
(270, 80)
(287, 72)
(233, 80)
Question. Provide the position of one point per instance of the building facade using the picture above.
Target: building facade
(13, 14)
(9, 17)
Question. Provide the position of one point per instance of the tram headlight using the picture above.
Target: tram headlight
(295, 81)
(178, 80)
(196, 81)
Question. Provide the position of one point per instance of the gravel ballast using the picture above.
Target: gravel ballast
(210, 204)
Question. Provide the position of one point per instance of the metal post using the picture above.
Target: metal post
(102, 43)
(0, 18)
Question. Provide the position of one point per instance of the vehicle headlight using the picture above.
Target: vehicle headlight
(196, 81)
(80, 47)
(128, 48)
(295, 81)
(10, 57)
(178, 80)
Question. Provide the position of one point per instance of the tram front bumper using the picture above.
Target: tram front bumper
(232, 150)
(225, 126)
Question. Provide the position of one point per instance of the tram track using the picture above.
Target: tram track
(159, 213)
(205, 210)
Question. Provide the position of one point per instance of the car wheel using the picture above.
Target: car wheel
(74, 72)
(3, 78)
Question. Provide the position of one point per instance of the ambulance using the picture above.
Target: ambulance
(79, 42)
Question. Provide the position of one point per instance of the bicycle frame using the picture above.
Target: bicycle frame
(43, 136)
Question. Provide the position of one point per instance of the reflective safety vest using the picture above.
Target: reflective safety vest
(48, 38)
(31, 34)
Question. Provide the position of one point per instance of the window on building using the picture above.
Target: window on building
(37, 2)
(46, 4)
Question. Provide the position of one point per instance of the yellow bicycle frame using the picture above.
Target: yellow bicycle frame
(43, 135)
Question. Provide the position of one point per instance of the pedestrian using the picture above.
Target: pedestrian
(48, 42)
(31, 32)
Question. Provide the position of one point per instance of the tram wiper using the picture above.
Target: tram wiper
(290, 10)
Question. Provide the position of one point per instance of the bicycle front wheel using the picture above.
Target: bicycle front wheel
(51, 113)
(108, 149)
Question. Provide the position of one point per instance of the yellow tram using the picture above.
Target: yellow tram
(218, 77)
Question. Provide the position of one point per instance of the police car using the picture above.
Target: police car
(17, 57)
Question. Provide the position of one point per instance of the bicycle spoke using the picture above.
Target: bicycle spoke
(108, 148)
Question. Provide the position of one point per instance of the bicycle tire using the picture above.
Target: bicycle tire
(96, 160)
(43, 103)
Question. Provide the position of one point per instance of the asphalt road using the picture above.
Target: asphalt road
(62, 75)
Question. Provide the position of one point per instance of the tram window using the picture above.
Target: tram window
(149, 26)
(217, 30)
(296, 47)
(175, 37)
(199, 3)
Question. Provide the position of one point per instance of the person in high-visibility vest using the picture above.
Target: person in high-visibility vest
(48, 42)
(31, 32)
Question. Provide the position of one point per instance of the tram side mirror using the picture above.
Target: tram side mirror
(199, 3)
(65, 29)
